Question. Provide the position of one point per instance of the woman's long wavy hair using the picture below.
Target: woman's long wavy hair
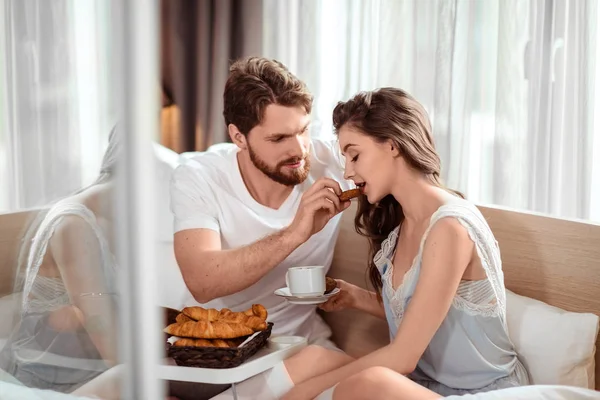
(389, 114)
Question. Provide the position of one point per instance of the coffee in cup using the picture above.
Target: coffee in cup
(306, 281)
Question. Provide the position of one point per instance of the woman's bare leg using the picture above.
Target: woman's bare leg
(314, 360)
(382, 384)
(273, 384)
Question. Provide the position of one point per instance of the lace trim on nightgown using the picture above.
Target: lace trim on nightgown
(41, 293)
(485, 297)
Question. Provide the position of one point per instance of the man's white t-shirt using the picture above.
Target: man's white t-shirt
(207, 191)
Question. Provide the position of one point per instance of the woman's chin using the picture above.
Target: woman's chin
(373, 198)
(370, 199)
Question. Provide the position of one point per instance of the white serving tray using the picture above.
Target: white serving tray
(263, 360)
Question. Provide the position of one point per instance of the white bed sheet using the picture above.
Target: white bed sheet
(538, 392)
(11, 391)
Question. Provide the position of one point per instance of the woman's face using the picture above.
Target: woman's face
(370, 164)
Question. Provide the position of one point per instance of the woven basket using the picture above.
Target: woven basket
(169, 315)
(218, 357)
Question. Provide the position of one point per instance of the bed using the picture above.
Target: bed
(555, 261)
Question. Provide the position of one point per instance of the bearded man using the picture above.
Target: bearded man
(247, 211)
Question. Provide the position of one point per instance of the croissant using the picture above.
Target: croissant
(221, 343)
(256, 323)
(260, 311)
(223, 312)
(209, 330)
(200, 313)
(200, 343)
(181, 318)
(194, 342)
(253, 321)
(257, 310)
(229, 343)
(235, 342)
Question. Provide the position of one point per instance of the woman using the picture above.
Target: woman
(67, 335)
(435, 265)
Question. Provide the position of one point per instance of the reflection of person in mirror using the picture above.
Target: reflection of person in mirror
(67, 337)
(435, 266)
(67, 334)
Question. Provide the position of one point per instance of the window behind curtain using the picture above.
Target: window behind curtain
(53, 98)
(510, 86)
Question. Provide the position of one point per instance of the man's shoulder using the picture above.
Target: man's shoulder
(206, 171)
(224, 151)
(217, 159)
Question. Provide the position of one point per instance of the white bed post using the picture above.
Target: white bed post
(136, 48)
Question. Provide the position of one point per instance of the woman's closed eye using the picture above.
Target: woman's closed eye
(355, 158)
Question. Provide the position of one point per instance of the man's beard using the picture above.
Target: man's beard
(294, 177)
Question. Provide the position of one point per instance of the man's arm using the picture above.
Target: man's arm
(210, 272)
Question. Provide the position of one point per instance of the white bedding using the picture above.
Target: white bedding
(538, 392)
(11, 391)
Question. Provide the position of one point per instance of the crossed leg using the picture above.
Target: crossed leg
(314, 360)
(311, 361)
(373, 383)
(383, 384)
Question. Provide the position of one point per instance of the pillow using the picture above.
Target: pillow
(166, 162)
(556, 346)
(10, 307)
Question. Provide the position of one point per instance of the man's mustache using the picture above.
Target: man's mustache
(294, 160)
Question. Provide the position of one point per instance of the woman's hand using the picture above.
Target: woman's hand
(345, 299)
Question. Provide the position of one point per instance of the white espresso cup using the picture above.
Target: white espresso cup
(306, 281)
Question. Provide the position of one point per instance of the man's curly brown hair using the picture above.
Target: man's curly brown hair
(256, 82)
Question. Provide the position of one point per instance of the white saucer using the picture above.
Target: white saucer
(285, 292)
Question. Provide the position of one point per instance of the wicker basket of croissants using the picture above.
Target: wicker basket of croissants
(211, 338)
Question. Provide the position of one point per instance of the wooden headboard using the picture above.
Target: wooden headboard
(553, 260)
(13, 227)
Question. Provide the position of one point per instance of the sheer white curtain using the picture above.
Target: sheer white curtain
(54, 84)
(511, 85)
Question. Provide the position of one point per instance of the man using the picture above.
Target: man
(246, 212)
